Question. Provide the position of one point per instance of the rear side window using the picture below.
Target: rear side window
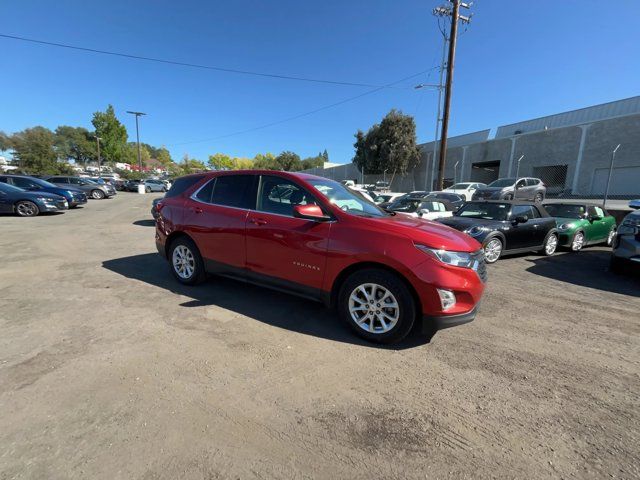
(234, 191)
(58, 180)
(535, 212)
(181, 184)
(532, 182)
(204, 194)
(522, 210)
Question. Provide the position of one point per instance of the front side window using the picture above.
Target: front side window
(346, 199)
(522, 211)
(59, 180)
(503, 182)
(278, 195)
(23, 182)
(565, 211)
(233, 191)
(599, 212)
(486, 211)
(521, 183)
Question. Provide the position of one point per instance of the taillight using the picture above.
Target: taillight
(159, 206)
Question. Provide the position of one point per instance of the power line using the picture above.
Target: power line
(194, 65)
(305, 114)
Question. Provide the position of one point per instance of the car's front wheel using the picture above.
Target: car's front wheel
(578, 242)
(186, 262)
(377, 305)
(147, 189)
(97, 194)
(27, 209)
(492, 250)
(550, 245)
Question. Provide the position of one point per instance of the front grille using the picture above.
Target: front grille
(480, 266)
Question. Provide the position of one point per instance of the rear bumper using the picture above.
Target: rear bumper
(440, 322)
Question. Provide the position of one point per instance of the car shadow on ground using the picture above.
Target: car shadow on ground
(587, 268)
(268, 306)
(145, 223)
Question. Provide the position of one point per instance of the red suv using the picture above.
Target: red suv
(315, 237)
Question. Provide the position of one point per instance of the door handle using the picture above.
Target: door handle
(258, 221)
(196, 210)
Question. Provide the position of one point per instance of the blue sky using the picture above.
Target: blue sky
(518, 60)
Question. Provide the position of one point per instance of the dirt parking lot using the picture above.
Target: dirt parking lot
(109, 369)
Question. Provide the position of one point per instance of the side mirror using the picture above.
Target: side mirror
(310, 212)
(521, 219)
(594, 218)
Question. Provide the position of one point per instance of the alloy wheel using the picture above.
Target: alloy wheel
(538, 198)
(551, 245)
(492, 250)
(578, 242)
(610, 237)
(184, 262)
(27, 209)
(374, 308)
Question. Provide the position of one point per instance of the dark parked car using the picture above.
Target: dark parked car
(626, 244)
(111, 189)
(74, 196)
(454, 199)
(506, 227)
(88, 186)
(131, 186)
(29, 204)
(525, 188)
(317, 238)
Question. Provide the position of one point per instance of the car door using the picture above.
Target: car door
(521, 235)
(281, 249)
(599, 228)
(541, 225)
(6, 202)
(215, 217)
(521, 189)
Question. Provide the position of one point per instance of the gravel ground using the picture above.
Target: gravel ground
(111, 370)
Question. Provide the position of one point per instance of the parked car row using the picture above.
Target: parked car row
(150, 185)
(28, 196)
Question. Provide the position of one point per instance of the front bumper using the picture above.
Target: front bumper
(53, 206)
(440, 322)
(627, 247)
(565, 239)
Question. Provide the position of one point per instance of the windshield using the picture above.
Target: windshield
(382, 198)
(433, 206)
(345, 199)
(459, 186)
(4, 187)
(408, 205)
(502, 182)
(565, 211)
(451, 197)
(486, 211)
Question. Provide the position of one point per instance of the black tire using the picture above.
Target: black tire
(576, 246)
(508, 196)
(147, 189)
(199, 274)
(488, 246)
(548, 250)
(97, 194)
(539, 198)
(25, 208)
(384, 280)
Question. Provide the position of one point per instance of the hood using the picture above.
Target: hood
(427, 232)
(465, 223)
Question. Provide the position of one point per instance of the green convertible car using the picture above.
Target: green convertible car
(581, 224)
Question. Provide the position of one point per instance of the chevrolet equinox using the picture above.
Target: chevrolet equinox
(314, 237)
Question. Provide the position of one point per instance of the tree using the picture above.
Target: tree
(243, 164)
(390, 145)
(265, 161)
(5, 141)
(289, 161)
(113, 134)
(34, 151)
(191, 165)
(162, 155)
(325, 155)
(220, 161)
(131, 154)
(75, 143)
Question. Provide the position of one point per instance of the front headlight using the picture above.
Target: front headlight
(457, 259)
(566, 226)
(629, 227)
(46, 200)
(475, 231)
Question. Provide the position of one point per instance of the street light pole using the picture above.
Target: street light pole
(518, 167)
(137, 114)
(606, 192)
(98, 145)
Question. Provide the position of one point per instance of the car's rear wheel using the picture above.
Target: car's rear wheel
(97, 194)
(147, 189)
(492, 250)
(186, 262)
(508, 196)
(27, 209)
(578, 242)
(610, 237)
(550, 245)
(538, 198)
(377, 305)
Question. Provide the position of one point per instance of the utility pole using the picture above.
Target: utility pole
(98, 145)
(137, 114)
(518, 167)
(606, 192)
(454, 13)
